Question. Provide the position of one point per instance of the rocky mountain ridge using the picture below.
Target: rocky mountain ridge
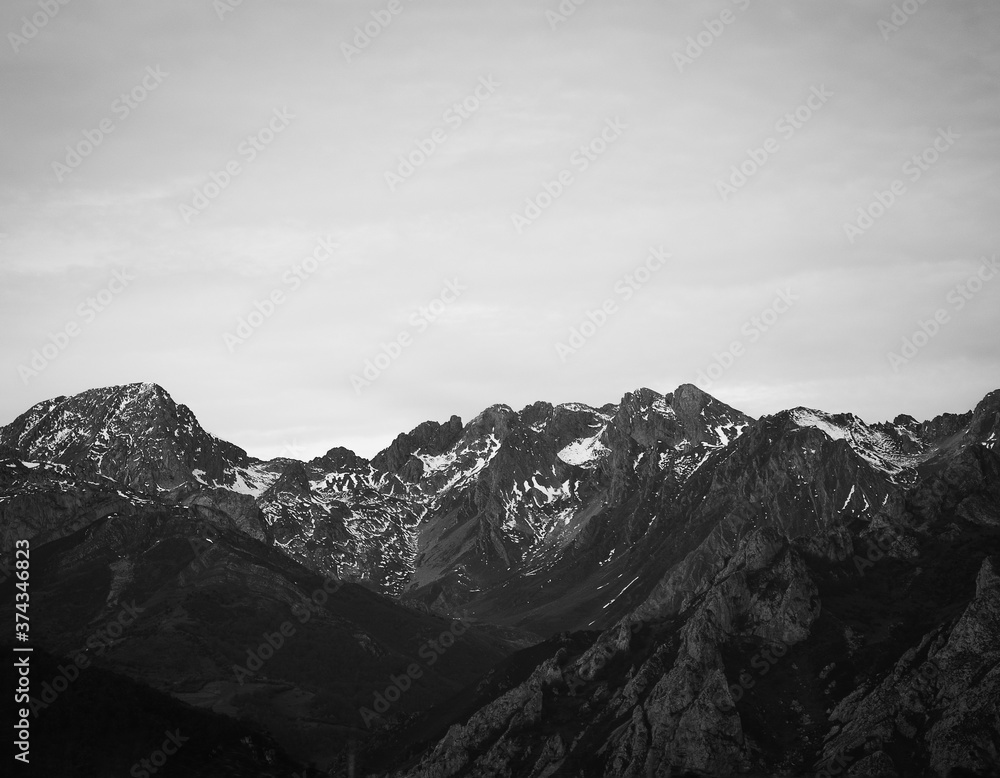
(706, 592)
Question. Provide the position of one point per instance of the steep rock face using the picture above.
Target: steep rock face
(46, 501)
(241, 508)
(940, 703)
(429, 437)
(984, 426)
(642, 697)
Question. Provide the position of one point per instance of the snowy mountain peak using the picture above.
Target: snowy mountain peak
(134, 433)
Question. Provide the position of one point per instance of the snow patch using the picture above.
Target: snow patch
(661, 407)
(434, 464)
(579, 407)
(584, 452)
(848, 499)
(250, 481)
(622, 591)
(806, 418)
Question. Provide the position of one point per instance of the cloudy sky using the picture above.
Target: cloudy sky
(321, 223)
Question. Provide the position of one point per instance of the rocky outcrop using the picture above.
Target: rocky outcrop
(942, 698)
(429, 438)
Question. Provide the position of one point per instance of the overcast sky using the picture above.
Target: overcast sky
(215, 156)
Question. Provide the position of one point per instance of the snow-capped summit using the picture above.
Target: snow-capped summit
(135, 434)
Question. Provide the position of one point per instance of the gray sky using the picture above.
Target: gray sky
(619, 124)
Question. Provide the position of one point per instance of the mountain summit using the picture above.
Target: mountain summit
(135, 434)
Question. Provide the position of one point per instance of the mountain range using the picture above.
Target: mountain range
(660, 586)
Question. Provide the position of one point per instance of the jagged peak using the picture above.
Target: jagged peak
(97, 396)
(340, 458)
(494, 419)
(989, 404)
(538, 414)
(144, 390)
(692, 392)
(428, 434)
(429, 427)
(642, 396)
(68, 426)
(802, 416)
(293, 477)
(146, 387)
(574, 407)
(497, 409)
